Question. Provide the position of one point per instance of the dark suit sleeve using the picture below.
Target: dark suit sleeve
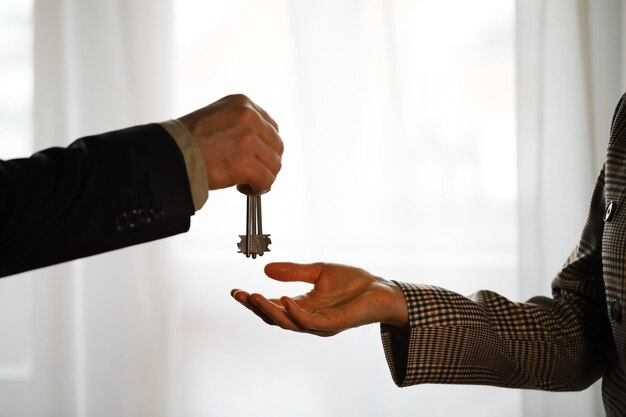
(101, 193)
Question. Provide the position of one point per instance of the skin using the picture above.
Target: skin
(239, 142)
(342, 297)
(241, 146)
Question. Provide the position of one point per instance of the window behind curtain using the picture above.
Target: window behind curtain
(398, 121)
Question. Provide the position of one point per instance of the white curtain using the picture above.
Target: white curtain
(395, 116)
(376, 173)
(96, 343)
(570, 58)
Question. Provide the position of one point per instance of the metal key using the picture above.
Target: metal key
(254, 242)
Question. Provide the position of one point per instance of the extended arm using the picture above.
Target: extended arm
(343, 297)
(130, 186)
(432, 335)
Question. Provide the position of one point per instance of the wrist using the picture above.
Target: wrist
(194, 160)
(398, 311)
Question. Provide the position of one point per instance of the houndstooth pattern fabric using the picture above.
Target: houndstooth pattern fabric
(561, 343)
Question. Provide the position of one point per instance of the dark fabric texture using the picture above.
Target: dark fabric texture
(101, 193)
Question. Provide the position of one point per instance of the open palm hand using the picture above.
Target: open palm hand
(342, 297)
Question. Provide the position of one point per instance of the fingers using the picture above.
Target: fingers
(237, 156)
(244, 299)
(290, 272)
(269, 156)
(264, 168)
(265, 131)
(311, 322)
(246, 189)
(259, 181)
(253, 115)
(239, 142)
(268, 150)
(269, 131)
(243, 100)
(267, 310)
(273, 312)
(259, 168)
(265, 116)
(300, 316)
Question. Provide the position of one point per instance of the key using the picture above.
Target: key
(254, 242)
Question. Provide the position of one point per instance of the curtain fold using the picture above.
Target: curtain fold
(101, 66)
(569, 78)
(100, 326)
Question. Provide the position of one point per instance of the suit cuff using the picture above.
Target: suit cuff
(421, 351)
(396, 341)
(196, 171)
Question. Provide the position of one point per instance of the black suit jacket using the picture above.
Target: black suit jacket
(101, 193)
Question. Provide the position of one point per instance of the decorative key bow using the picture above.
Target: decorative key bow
(254, 242)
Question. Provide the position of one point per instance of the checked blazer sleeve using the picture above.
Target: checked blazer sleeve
(101, 193)
(563, 342)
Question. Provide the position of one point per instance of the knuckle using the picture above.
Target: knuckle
(243, 98)
(237, 97)
(247, 139)
(246, 115)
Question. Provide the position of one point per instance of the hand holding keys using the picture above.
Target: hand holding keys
(254, 242)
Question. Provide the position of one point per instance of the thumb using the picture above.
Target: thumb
(247, 189)
(290, 272)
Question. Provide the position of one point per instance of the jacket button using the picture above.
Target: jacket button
(121, 222)
(157, 212)
(133, 219)
(615, 310)
(610, 209)
(143, 216)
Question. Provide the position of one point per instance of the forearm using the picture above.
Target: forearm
(560, 343)
(101, 193)
(486, 339)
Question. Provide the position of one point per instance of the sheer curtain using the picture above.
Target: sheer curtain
(399, 123)
(96, 334)
(395, 116)
(375, 175)
(100, 66)
(570, 76)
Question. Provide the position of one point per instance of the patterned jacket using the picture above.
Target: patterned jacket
(561, 343)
